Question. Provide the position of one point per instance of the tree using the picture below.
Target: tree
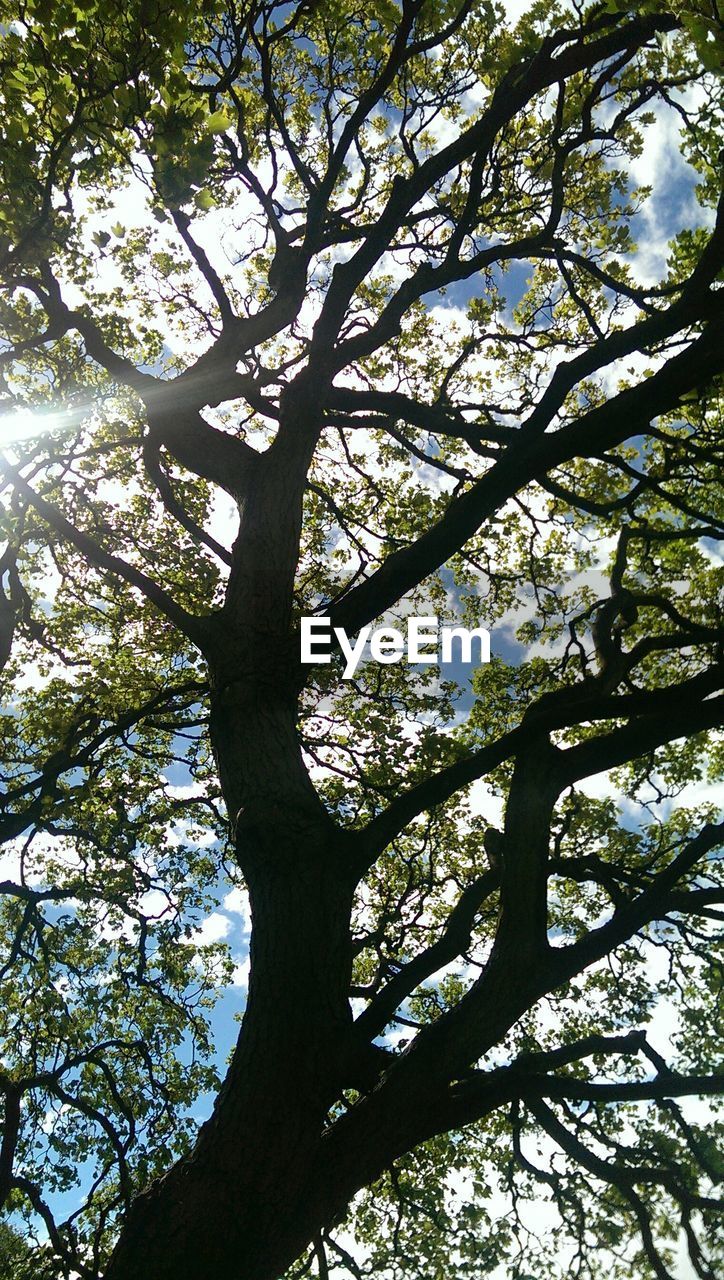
(305, 188)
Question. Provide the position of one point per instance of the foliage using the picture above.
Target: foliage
(351, 310)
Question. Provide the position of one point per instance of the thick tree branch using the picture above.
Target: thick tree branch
(154, 467)
(195, 627)
(650, 714)
(652, 904)
(621, 417)
(527, 1080)
(515, 90)
(452, 941)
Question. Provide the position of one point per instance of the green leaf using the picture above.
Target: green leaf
(218, 122)
(204, 200)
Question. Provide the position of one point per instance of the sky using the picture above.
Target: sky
(671, 203)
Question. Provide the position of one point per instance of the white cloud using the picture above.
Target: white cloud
(240, 975)
(215, 928)
(483, 802)
(236, 902)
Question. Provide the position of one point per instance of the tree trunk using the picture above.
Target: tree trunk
(245, 1202)
(267, 1172)
(239, 1205)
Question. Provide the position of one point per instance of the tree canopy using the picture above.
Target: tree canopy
(360, 311)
